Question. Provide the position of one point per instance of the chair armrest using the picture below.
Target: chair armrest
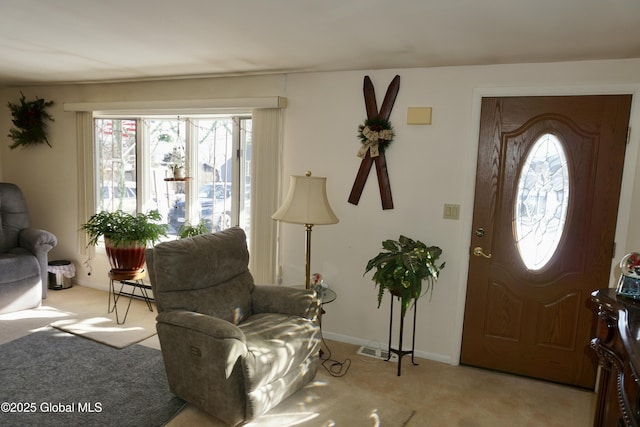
(285, 300)
(208, 325)
(37, 241)
(226, 343)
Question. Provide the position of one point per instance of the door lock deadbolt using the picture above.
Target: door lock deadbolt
(479, 232)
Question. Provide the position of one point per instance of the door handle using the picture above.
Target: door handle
(477, 251)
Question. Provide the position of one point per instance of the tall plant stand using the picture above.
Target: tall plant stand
(399, 351)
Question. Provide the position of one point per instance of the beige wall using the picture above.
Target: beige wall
(428, 166)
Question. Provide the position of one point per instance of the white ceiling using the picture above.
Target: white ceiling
(55, 41)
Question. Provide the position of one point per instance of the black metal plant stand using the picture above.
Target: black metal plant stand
(399, 351)
(133, 279)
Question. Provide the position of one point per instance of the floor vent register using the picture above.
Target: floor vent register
(377, 353)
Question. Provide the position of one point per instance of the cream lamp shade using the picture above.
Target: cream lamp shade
(306, 203)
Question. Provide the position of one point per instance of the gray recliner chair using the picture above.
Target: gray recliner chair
(231, 348)
(23, 254)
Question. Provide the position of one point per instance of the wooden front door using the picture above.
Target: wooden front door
(546, 202)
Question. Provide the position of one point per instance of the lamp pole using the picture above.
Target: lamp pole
(307, 266)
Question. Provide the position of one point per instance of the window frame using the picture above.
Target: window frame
(143, 164)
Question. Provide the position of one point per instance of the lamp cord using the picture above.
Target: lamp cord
(334, 367)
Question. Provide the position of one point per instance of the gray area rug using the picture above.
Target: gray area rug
(54, 378)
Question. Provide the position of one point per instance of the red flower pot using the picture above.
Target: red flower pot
(125, 257)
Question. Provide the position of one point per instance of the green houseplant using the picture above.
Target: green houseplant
(176, 161)
(125, 235)
(188, 230)
(402, 267)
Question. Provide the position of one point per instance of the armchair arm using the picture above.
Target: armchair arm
(214, 327)
(285, 300)
(37, 241)
(224, 339)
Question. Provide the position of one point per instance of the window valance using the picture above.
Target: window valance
(181, 106)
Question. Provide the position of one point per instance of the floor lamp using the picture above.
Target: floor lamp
(306, 203)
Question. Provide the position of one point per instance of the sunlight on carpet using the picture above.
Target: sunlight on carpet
(43, 312)
(334, 402)
(14, 325)
(325, 402)
(94, 324)
(105, 330)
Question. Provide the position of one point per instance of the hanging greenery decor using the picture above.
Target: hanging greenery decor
(30, 119)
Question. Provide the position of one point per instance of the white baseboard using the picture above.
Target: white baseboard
(376, 344)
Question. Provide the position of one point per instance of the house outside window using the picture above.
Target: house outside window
(135, 158)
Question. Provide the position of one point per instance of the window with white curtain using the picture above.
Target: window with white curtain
(255, 129)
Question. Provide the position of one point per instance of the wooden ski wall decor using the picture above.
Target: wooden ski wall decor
(375, 134)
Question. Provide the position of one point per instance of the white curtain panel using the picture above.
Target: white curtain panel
(86, 175)
(265, 185)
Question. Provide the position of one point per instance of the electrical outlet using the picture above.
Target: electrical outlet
(451, 211)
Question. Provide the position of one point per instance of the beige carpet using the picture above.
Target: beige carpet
(91, 319)
(21, 323)
(82, 311)
(139, 324)
(440, 394)
(326, 401)
(106, 331)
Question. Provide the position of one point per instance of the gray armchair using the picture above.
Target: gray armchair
(23, 254)
(231, 348)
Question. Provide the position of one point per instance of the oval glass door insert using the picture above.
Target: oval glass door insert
(541, 202)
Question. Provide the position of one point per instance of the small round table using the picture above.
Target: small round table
(325, 295)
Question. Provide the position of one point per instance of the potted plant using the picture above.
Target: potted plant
(188, 230)
(176, 162)
(402, 268)
(125, 236)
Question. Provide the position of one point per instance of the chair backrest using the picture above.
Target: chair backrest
(13, 215)
(207, 274)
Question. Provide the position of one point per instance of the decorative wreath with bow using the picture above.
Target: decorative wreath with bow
(376, 134)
